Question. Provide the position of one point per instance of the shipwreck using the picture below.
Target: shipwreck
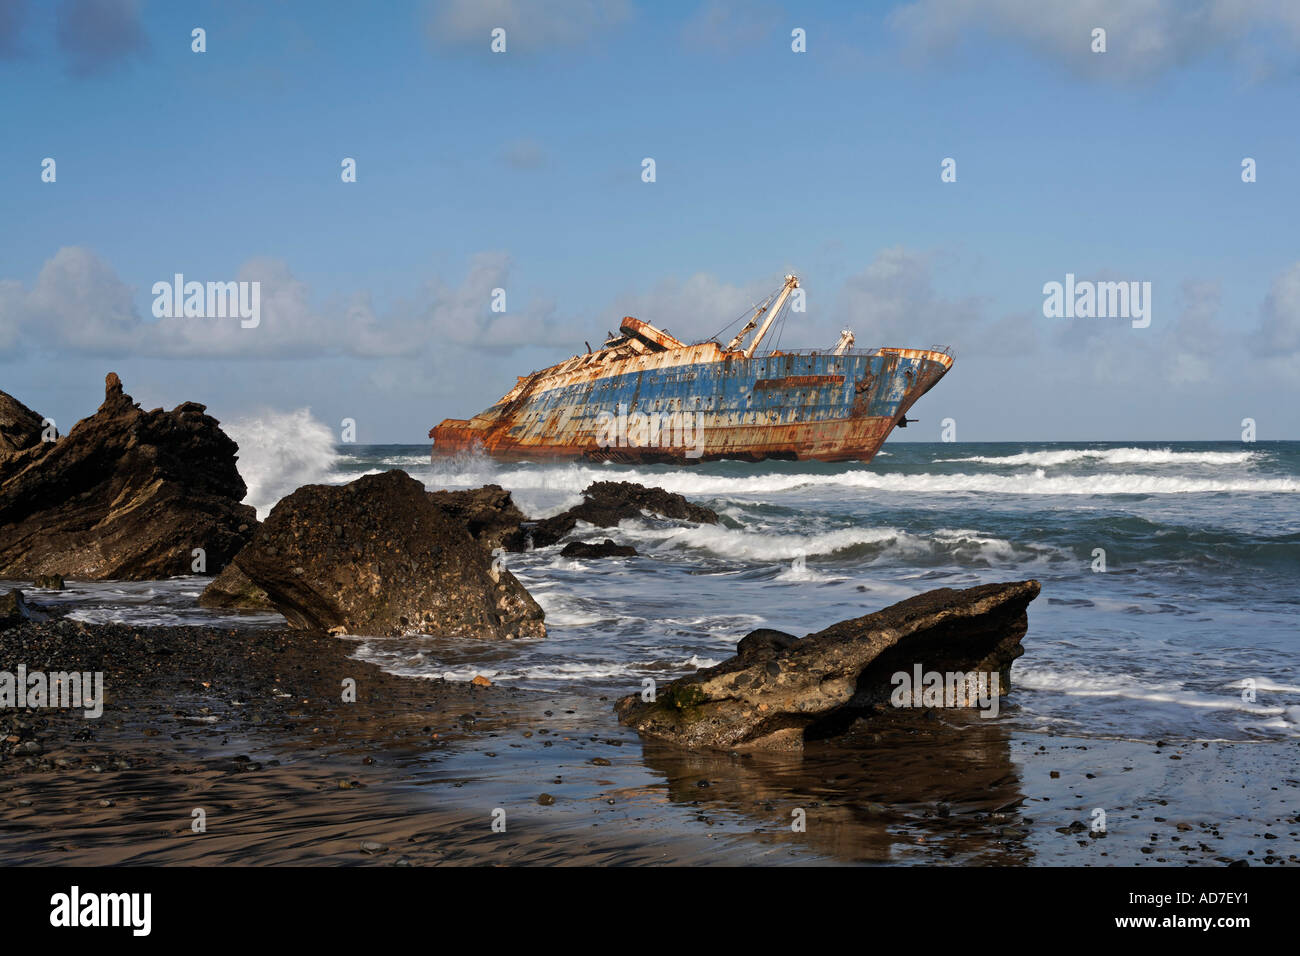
(645, 396)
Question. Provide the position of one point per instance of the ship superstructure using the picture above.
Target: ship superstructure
(645, 396)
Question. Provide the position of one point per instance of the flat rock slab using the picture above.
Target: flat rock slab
(780, 690)
(232, 589)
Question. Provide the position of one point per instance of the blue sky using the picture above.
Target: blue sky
(522, 170)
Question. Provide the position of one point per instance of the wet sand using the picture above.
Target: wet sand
(250, 727)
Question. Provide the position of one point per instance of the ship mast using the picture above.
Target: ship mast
(791, 283)
(750, 324)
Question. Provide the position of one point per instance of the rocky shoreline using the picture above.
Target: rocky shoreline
(269, 728)
(256, 734)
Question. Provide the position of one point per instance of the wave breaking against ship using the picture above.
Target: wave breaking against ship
(645, 396)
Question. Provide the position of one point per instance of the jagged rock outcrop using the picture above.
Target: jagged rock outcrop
(232, 589)
(20, 427)
(125, 494)
(488, 513)
(603, 549)
(377, 556)
(605, 504)
(780, 690)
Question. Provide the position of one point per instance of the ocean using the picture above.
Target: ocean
(1169, 611)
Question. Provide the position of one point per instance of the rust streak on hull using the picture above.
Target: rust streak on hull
(647, 397)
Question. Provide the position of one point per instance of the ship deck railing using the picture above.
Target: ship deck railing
(941, 349)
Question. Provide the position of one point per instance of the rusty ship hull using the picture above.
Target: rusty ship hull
(646, 397)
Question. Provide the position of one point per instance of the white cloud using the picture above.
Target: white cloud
(692, 309)
(78, 299)
(78, 304)
(530, 25)
(1279, 330)
(1144, 37)
(461, 314)
(733, 27)
(893, 302)
(1196, 337)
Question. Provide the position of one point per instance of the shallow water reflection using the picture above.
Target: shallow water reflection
(913, 790)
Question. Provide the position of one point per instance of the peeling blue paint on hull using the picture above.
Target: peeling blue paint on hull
(700, 403)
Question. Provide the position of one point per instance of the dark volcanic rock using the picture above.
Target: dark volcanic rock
(125, 494)
(20, 427)
(605, 504)
(14, 609)
(605, 549)
(488, 512)
(232, 589)
(763, 643)
(780, 690)
(49, 582)
(377, 556)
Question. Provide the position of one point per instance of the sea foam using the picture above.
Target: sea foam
(574, 478)
(1112, 456)
(280, 452)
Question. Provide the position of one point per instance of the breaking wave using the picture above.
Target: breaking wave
(760, 546)
(1083, 684)
(281, 451)
(427, 664)
(1112, 456)
(572, 479)
(961, 545)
